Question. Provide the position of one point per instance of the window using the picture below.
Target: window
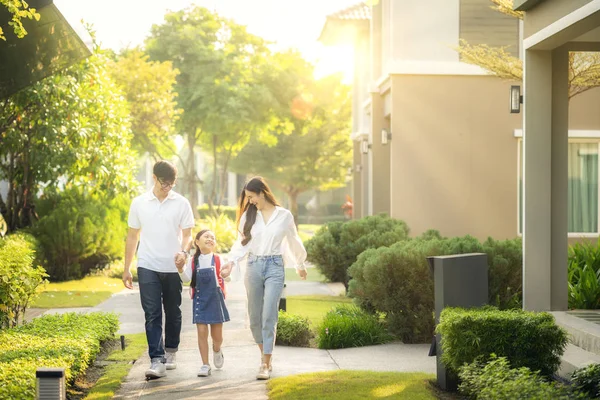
(582, 187)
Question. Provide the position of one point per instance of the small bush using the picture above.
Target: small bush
(82, 232)
(584, 275)
(228, 211)
(224, 228)
(348, 326)
(505, 272)
(20, 277)
(496, 380)
(335, 246)
(292, 330)
(587, 380)
(526, 339)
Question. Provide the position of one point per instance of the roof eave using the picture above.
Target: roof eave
(525, 5)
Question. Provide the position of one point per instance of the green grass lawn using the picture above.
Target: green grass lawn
(350, 385)
(306, 231)
(114, 374)
(313, 275)
(87, 292)
(314, 307)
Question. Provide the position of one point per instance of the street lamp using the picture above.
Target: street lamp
(385, 136)
(515, 99)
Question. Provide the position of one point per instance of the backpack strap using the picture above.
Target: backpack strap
(192, 288)
(220, 280)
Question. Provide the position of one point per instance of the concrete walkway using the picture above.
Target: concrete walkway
(237, 378)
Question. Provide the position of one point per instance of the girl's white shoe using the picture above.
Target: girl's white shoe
(204, 370)
(218, 358)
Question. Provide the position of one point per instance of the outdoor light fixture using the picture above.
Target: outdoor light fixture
(50, 384)
(385, 136)
(515, 99)
(358, 168)
(365, 146)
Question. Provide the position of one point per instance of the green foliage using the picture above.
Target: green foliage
(496, 380)
(224, 228)
(229, 211)
(20, 276)
(82, 232)
(335, 247)
(292, 330)
(526, 339)
(587, 380)
(349, 326)
(70, 129)
(19, 9)
(505, 272)
(584, 275)
(69, 340)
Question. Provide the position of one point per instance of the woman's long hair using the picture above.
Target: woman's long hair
(255, 185)
(196, 256)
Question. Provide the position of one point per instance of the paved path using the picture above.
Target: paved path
(237, 378)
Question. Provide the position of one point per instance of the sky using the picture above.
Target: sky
(288, 23)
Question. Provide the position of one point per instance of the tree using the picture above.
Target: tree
(19, 9)
(584, 67)
(223, 100)
(70, 129)
(149, 90)
(318, 152)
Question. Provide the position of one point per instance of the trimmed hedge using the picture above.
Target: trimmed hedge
(68, 340)
(228, 211)
(496, 380)
(335, 247)
(292, 330)
(526, 339)
(19, 276)
(349, 326)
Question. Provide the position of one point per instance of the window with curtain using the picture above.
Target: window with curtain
(582, 187)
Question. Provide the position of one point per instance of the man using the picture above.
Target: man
(162, 221)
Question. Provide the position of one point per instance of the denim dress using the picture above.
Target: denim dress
(209, 301)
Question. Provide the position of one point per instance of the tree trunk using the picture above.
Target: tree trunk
(213, 192)
(224, 178)
(191, 173)
(293, 200)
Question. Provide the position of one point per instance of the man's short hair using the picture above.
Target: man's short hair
(165, 171)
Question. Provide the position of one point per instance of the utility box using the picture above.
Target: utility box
(459, 281)
(51, 384)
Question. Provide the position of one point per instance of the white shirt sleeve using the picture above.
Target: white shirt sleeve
(238, 250)
(133, 220)
(186, 275)
(187, 218)
(294, 244)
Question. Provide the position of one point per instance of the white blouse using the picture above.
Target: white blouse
(277, 237)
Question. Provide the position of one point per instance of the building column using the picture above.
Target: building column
(545, 180)
(357, 182)
(380, 175)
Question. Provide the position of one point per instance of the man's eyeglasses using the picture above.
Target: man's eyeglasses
(165, 185)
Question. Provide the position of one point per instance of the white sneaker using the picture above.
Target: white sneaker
(263, 372)
(157, 369)
(204, 370)
(171, 360)
(218, 358)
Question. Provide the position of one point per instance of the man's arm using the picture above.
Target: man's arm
(186, 245)
(133, 236)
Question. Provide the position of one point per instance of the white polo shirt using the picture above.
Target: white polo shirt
(161, 225)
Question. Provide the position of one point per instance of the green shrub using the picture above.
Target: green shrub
(587, 380)
(229, 211)
(505, 272)
(19, 277)
(292, 330)
(526, 339)
(82, 232)
(69, 340)
(335, 246)
(584, 275)
(396, 280)
(349, 326)
(224, 228)
(495, 380)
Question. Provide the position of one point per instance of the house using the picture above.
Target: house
(434, 142)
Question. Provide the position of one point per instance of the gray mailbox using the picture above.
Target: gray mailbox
(459, 281)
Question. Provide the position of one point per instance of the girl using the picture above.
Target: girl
(267, 233)
(207, 290)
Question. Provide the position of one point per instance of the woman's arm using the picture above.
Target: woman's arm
(296, 247)
(238, 250)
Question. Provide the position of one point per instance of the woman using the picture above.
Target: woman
(267, 233)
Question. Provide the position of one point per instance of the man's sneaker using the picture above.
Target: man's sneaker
(171, 360)
(263, 372)
(218, 358)
(204, 370)
(157, 369)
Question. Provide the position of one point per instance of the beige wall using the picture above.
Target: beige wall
(357, 183)
(381, 158)
(584, 110)
(547, 12)
(454, 155)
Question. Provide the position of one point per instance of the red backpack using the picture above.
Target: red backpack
(217, 270)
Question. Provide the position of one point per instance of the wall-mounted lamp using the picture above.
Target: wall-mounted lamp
(358, 168)
(515, 99)
(385, 136)
(365, 146)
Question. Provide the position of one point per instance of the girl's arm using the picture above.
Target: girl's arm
(185, 273)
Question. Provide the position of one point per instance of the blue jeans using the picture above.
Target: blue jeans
(264, 280)
(158, 290)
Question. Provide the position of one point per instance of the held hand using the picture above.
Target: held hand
(226, 270)
(180, 261)
(302, 273)
(128, 280)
